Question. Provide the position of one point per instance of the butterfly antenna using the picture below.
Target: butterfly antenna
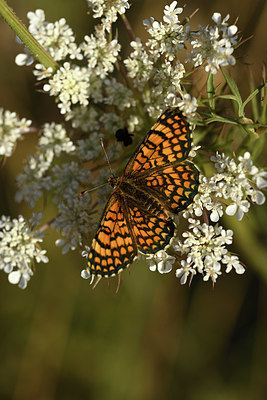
(94, 188)
(106, 156)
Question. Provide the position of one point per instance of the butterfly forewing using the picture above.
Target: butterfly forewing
(168, 141)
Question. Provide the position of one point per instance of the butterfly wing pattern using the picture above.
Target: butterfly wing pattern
(158, 180)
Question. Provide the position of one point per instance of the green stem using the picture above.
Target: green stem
(22, 32)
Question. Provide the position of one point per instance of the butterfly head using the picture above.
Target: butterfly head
(112, 180)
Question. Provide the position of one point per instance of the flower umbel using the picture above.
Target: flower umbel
(214, 45)
(11, 129)
(19, 248)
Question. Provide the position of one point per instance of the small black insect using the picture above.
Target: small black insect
(122, 135)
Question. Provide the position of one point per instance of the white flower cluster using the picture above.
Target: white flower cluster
(11, 129)
(19, 248)
(73, 221)
(233, 184)
(57, 38)
(100, 53)
(214, 45)
(63, 182)
(167, 37)
(204, 245)
(154, 67)
(108, 9)
(34, 179)
(70, 86)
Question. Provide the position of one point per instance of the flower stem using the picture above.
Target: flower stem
(25, 36)
(128, 27)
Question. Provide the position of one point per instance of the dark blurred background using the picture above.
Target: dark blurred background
(154, 339)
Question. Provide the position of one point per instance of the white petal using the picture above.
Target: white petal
(259, 197)
(183, 279)
(231, 210)
(239, 214)
(23, 283)
(261, 182)
(164, 267)
(239, 269)
(85, 274)
(24, 59)
(232, 30)
(214, 216)
(217, 18)
(14, 277)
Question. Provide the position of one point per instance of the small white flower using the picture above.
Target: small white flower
(238, 208)
(221, 161)
(20, 277)
(185, 270)
(160, 261)
(256, 196)
(24, 59)
(41, 72)
(212, 271)
(261, 179)
(233, 262)
(188, 105)
(171, 12)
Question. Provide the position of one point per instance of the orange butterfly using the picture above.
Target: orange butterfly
(158, 180)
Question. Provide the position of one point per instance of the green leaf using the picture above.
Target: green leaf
(225, 120)
(263, 115)
(251, 96)
(228, 97)
(234, 89)
(211, 91)
(258, 146)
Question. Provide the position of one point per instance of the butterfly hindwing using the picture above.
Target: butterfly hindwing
(174, 186)
(151, 232)
(112, 247)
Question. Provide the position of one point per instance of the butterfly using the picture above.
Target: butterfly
(157, 181)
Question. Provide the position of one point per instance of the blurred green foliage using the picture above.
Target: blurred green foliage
(155, 339)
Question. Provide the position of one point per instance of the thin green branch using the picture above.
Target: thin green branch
(25, 36)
